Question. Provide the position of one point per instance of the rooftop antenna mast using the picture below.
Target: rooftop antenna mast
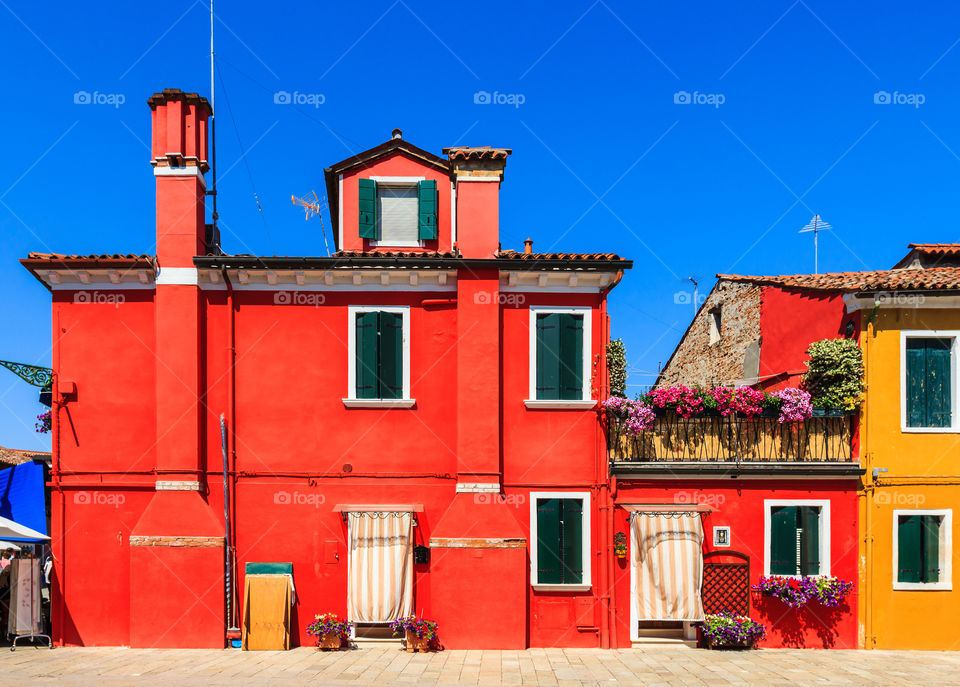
(313, 206)
(816, 225)
(213, 139)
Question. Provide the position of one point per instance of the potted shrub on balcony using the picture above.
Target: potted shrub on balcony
(728, 631)
(329, 630)
(834, 376)
(420, 634)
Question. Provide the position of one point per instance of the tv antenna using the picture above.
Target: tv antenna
(313, 207)
(816, 225)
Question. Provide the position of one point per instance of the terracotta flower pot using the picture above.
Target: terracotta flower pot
(329, 641)
(414, 643)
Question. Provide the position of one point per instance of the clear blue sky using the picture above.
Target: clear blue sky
(785, 124)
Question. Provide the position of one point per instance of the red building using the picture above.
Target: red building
(419, 388)
(769, 497)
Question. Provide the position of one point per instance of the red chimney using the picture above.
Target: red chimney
(179, 159)
(478, 173)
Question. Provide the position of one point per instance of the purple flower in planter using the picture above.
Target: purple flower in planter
(727, 629)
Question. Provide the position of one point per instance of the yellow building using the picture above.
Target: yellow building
(910, 449)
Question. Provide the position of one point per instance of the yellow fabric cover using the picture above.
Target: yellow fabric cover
(266, 613)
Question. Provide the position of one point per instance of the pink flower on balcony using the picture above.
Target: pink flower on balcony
(796, 405)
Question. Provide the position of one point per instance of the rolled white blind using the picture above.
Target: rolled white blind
(398, 214)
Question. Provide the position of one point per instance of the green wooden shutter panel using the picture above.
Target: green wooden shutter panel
(367, 327)
(930, 531)
(909, 549)
(391, 355)
(929, 387)
(571, 540)
(783, 540)
(938, 383)
(548, 356)
(427, 210)
(571, 357)
(548, 542)
(367, 193)
(810, 540)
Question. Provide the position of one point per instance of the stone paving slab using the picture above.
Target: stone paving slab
(646, 667)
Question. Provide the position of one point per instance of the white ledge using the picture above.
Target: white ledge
(559, 405)
(561, 587)
(379, 402)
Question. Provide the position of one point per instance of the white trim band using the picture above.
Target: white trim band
(177, 276)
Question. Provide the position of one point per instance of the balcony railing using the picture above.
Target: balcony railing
(734, 439)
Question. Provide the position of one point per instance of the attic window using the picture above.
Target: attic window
(714, 323)
(398, 211)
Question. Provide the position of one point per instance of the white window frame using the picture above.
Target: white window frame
(825, 540)
(953, 334)
(716, 540)
(945, 550)
(396, 182)
(351, 401)
(585, 402)
(585, 585)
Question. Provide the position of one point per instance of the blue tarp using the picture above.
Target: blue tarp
(22, 497)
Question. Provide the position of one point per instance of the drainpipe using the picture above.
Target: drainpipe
(230, 506)
(602, 481)
(869, 487)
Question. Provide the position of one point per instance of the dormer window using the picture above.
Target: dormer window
(398, 211)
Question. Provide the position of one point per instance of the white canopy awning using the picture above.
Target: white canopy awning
(10, 529)
(8, 545)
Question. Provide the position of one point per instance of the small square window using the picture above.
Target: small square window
(397, 210)
(721, 536)
(715, 324)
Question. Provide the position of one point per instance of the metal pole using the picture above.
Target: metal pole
(226, 522)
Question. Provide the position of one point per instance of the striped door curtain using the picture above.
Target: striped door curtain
(669, 566)
(380, 566)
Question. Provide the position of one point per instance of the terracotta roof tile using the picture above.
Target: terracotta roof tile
(394, 254)
(929, 279)
(476, 153)
(12, 456)
(113, 259)
(516, 255)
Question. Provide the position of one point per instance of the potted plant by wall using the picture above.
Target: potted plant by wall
(420, 634)
(620, 545)
(834, 376)
(728, 631)
(331, 632)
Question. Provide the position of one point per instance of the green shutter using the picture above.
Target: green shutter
(928, 373)
(571, 540)
(909, 549)
(367, 328)
(938, 383)
(548, 357)
(548, 542)
(930, 531)
(571, 357)
(783, 540)
(391, 355)
(810, 540)
(427, 210)
(367, 193)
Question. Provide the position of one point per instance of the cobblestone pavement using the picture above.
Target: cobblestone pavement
(390, 666)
